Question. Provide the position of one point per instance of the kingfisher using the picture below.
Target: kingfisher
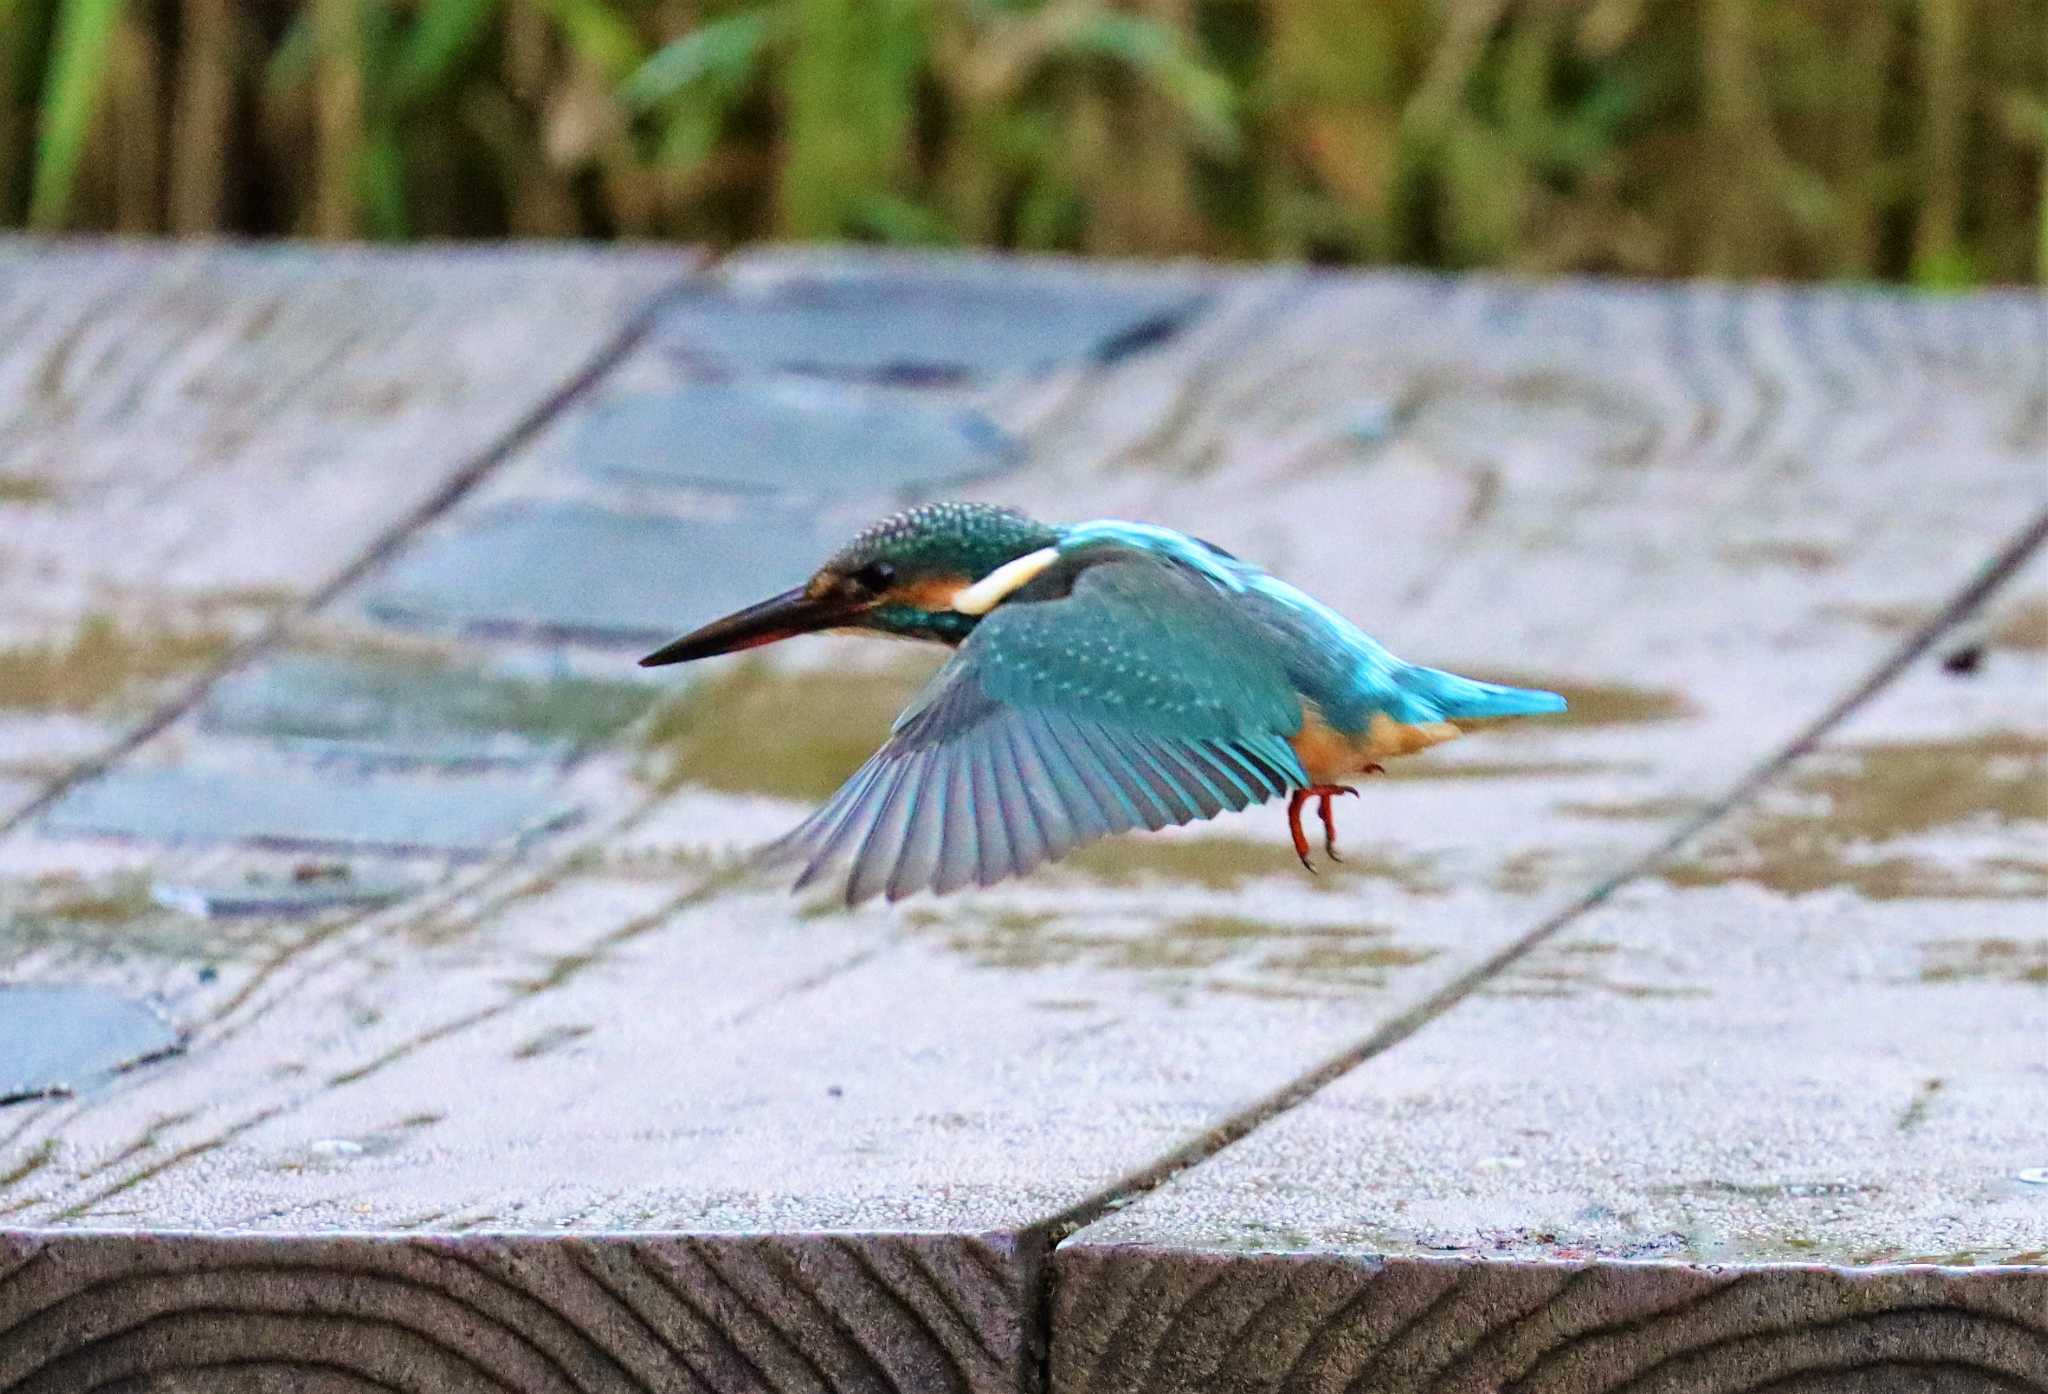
(1106, 676)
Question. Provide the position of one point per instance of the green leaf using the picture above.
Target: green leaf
(1157, 54)
(689, 136)
(850, 89)
(23, 33)
(79, 55)
(1050, 216)
(1593, 127)
(599, 33)
(900, 222)
(383, 181)
(444, 34)
(377, 41)
(1946, 271)
(1024, 139)
(725, 54)
(1484, 194)
(291, 62)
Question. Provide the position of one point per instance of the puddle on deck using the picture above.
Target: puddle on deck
(1838, 820)
(578, 572)
(943, 324)
(380, 702)
(103, 665)
(308, 809)
(56, 1038)
(804, 439)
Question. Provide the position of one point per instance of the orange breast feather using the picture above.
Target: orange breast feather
(1331, 756)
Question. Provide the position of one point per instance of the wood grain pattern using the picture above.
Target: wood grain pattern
(1136, 1321)
(872, 1314)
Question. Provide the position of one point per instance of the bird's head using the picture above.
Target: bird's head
(929, 572)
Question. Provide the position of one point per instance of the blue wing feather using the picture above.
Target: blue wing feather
(1348, 672)
(993, 833)
(1020, 819)
(957, 854)
(1469, 699)
(917, 863)
(1140, 698)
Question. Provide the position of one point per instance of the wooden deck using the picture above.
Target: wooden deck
(385, 1002)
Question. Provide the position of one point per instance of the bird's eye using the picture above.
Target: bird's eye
(874, 578)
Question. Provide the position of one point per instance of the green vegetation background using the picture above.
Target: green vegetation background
(1866, 139)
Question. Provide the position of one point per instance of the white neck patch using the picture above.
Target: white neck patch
(991, 590)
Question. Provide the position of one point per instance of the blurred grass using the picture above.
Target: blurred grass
(1861, 139)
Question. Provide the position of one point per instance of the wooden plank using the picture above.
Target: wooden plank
(1770, 1117)
(622, 1029)
(432, 1313)
(853, 1311)
(192, 440)
(1299, 1320)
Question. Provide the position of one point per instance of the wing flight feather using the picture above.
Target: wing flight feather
(1139, 699)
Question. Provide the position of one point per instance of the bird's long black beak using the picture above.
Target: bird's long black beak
(778, 617)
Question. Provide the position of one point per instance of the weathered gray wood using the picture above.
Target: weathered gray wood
(192, 439)
(620, 1029)
(1770, 1119)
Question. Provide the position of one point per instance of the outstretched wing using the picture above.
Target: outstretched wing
(1141, 698)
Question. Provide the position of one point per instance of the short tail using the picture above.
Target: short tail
(1464, 699)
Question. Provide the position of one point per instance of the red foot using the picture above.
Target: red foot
(1325, 792)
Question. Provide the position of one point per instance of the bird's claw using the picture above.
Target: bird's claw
(1325, 793)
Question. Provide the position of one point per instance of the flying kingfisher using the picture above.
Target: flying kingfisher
(1105, 676)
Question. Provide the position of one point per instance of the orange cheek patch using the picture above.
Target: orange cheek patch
(930, 593)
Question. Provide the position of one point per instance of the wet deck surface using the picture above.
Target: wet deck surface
(1619, 1049)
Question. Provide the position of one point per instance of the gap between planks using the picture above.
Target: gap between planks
(473, 472)
(2001, 567)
